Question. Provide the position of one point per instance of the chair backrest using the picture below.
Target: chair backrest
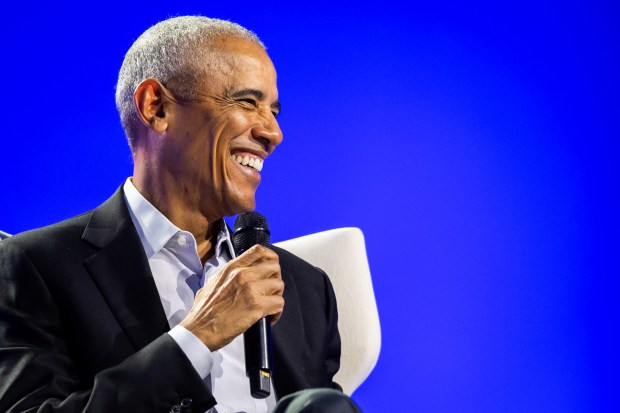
(341, 253)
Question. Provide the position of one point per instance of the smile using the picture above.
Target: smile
(253, 162)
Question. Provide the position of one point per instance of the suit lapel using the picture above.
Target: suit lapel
(121, 271)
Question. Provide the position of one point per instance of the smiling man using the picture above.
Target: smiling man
(141, 304)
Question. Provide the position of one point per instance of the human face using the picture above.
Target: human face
(232, 121)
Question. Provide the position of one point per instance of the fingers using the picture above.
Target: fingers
(258, 253)
(258, 293)
(261, 271)
(248, 288)
(236, 277)
(267, 305)
(256, 263)
(270, 302)
(270, 286)
(277, 303)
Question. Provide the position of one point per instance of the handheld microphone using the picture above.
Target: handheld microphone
(250, 229)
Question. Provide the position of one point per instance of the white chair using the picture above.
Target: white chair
(341, 253)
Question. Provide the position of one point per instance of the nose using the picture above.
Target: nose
(268, 132)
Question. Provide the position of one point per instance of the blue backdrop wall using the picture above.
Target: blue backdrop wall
(475, 144)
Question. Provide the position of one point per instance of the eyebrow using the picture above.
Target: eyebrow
(258, 95)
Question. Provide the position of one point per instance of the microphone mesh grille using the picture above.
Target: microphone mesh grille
(250, 229)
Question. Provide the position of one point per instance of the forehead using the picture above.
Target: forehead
(237, 62)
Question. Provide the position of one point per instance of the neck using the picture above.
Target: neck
(181, 208)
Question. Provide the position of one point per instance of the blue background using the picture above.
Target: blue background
(475, 144)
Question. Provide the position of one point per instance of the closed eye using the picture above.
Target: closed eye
(246, 95)
(250, 101)
(275, 112)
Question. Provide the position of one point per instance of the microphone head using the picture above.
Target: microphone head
(250, 229)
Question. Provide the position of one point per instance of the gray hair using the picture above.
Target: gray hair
(170, 52)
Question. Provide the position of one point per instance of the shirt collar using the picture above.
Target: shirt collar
(155, 230)
(224, 242)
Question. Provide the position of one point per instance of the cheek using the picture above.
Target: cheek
(235, 127)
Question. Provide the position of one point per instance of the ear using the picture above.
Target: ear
(150, 105)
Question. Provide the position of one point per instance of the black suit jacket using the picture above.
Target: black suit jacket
(82, 327)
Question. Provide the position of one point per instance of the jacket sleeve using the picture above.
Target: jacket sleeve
(37, 371)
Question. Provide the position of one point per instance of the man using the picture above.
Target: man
(97, 313)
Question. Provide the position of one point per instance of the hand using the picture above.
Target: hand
(247, 289)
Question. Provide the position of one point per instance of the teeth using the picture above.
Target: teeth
(255, 163)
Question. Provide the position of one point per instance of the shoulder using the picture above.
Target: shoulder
(47, 240)
(293, 262)
(36, 262)
(54, 241)
(307, 279)
(302, 270)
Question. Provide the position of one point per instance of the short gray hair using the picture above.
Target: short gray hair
(169, 52)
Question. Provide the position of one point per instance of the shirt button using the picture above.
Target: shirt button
(175, 409)
(186, 402)
(182, 240)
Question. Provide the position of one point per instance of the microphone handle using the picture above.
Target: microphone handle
(257, 343)
(250, 229)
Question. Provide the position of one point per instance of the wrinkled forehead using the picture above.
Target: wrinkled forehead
(235, 53)
(235, 60)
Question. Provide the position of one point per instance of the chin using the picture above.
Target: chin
(236, 198)
(246, 205)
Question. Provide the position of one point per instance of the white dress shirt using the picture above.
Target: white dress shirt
(178, 274)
